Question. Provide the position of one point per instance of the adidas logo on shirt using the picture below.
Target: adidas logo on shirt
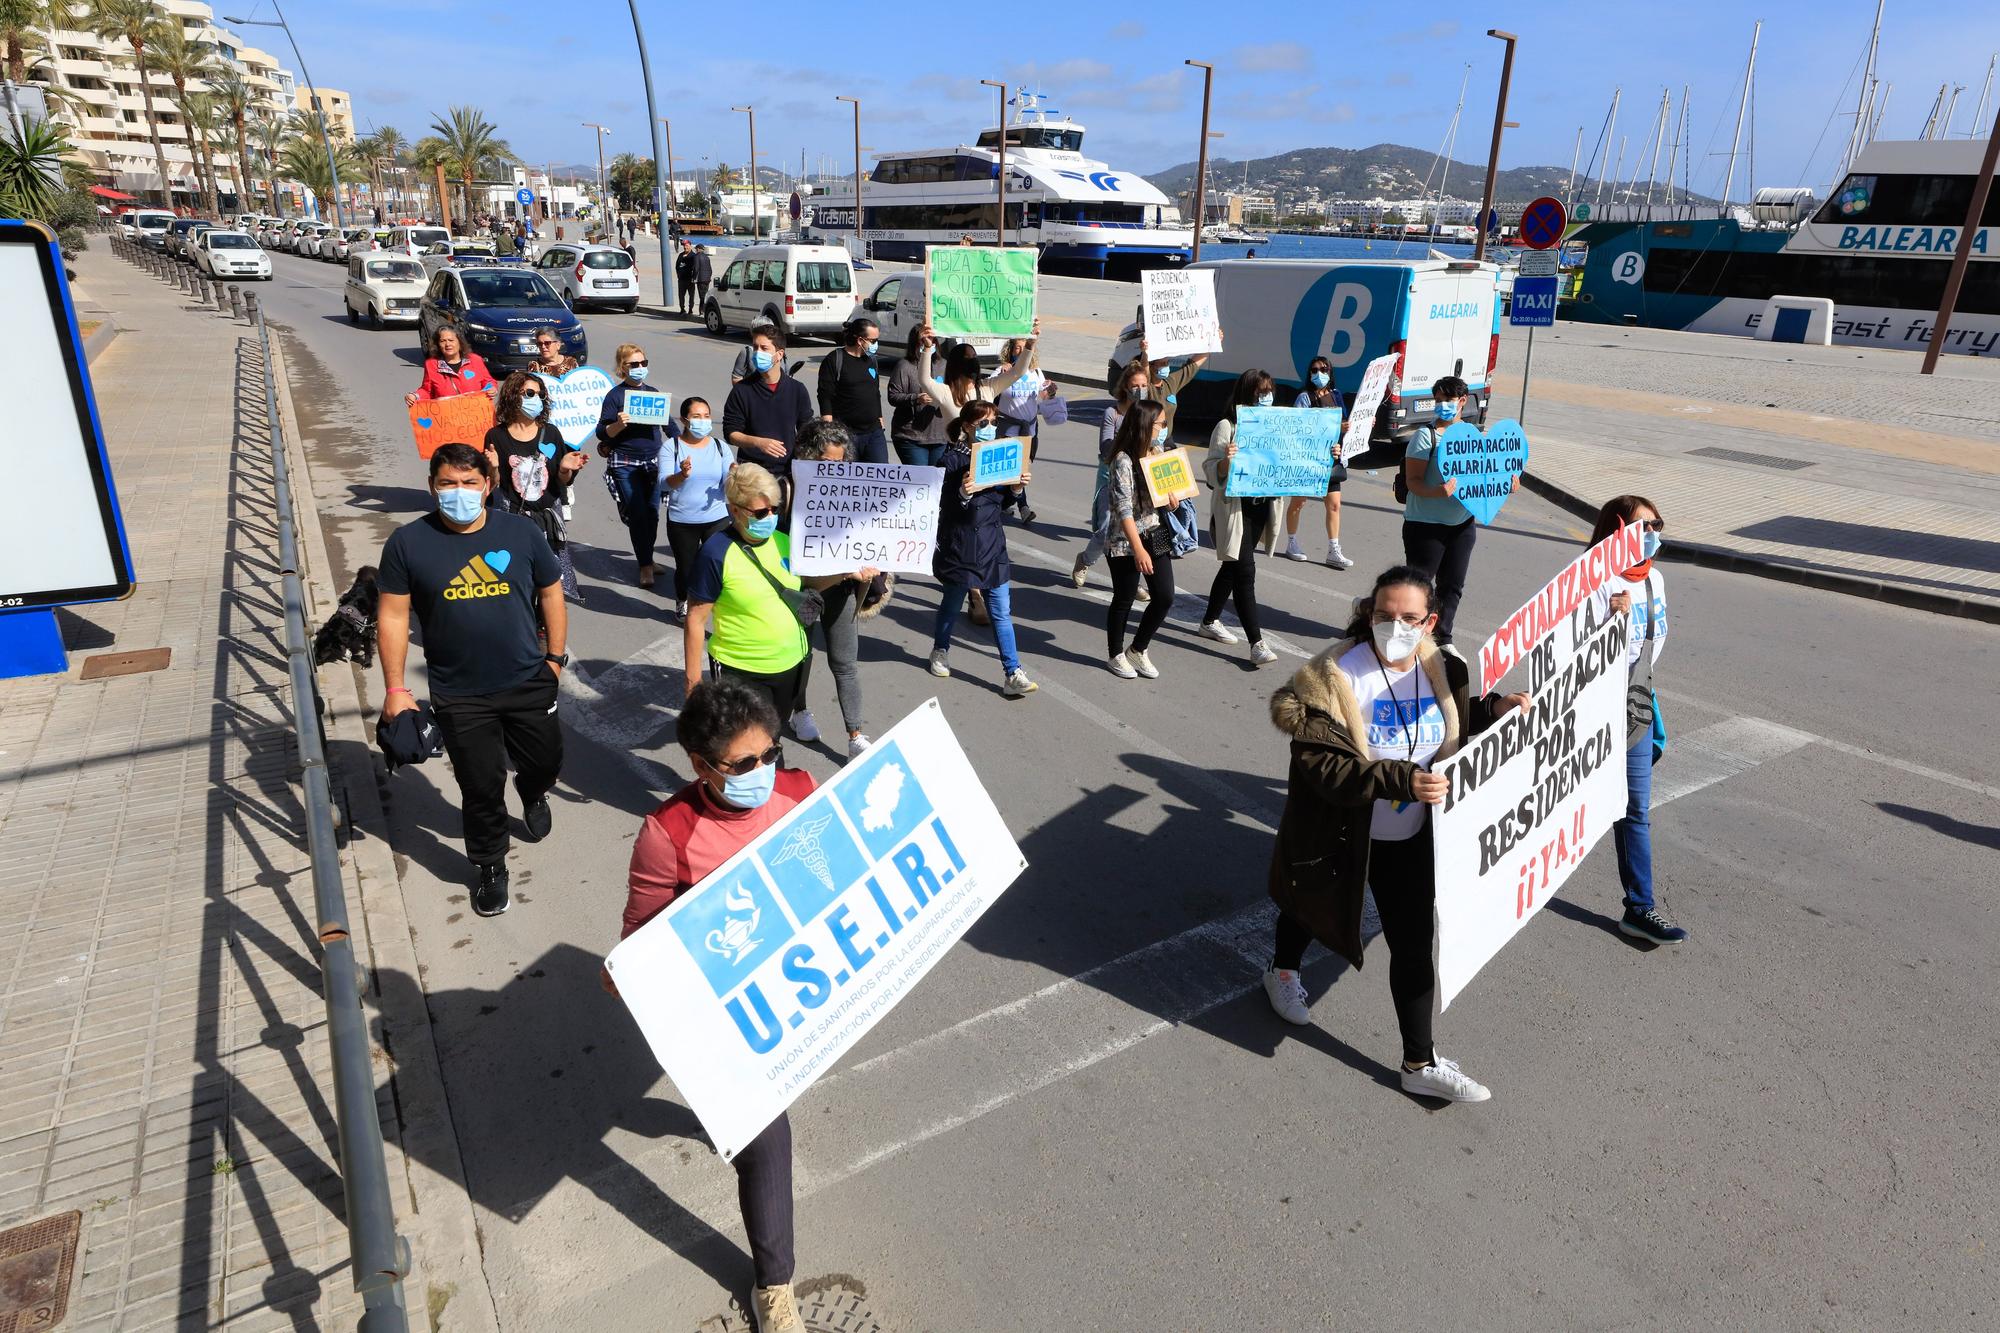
(477, 579)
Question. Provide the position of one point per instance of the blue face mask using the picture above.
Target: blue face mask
(761, 359)
(637, 374)
(868, 349)
(761, 528)
(698, 428)
(1265, 399)
(1159, 439)
(1447, 411)
(747, 791)
(461, 504)
(1649, 544)
(987, 432)
(531, 405)
(1321, 379)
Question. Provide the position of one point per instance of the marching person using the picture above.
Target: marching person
(740, 790)
(745, 365)
(972, 549)
(1644, 598)
(633, 454)
(1140, 545)
(917, 424)
(479, 580)
(744, 588)
(450, 370)
(764, 413)
(550, 359)
(1239, 526)
(534, 465)
(684, 276)
(842, 609)
(1134, 385)
(1368, 718)
(1319, 392)
(850, 390)
(1021, 409)
(1438, 531)
(692, 474)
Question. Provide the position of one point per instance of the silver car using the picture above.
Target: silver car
(600, 275)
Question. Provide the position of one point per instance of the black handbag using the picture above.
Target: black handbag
(805, 604)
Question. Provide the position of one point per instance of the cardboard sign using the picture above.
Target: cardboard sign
(576, 400)
(1484, 465)
(999, 462)
(647, 407)
(1531, 795)
(979, 291)
(1180, 318)
(751, 985)
(1169, 479)
(461, 420)
(1366, 402)
(848, 516)
(1284, 451)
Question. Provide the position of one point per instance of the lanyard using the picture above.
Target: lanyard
(1416, 700)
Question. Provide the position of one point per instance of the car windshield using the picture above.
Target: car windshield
(516, 291)
(229, 240)
(823, 277)
(607, 259)
(429, 235)
(395, 270)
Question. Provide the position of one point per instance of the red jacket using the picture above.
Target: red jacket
(441, 381)
(683, 841)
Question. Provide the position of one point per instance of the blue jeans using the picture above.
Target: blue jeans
(871, 446)
(999, 605)
(1634, 833)
(636, 490)
(915, 453)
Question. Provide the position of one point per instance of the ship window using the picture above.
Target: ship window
(1848, 280)
(1905, 200)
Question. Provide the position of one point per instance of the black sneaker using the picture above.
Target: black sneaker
(1649, 925)
(538, 818)
(489, 896)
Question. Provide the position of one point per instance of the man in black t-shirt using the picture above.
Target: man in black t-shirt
(477, 579)
(850, 390)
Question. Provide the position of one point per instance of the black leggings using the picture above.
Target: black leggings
(1404, 879)
(687, 539)
(1125, 591)
(764, 1193)
(1239, 575)
(1444, 551)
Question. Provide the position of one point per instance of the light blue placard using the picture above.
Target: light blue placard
(648, 407)
(1484, 465)
(1284, 451)
(999, 462)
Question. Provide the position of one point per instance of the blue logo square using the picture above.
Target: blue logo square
(813, 861)
(731, 925)
(883, 798)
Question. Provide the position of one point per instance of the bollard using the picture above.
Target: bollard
(221, 295)
(250, 306)
(201, 289)
(235, 300)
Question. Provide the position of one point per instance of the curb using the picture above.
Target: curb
(1737, 562)
(100, 338)
(447, 1270)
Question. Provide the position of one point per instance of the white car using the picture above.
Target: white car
(383, 286)
(336, 248)
(135, 224)
(310, 238)
(230, 254)
(462, 250)
(803, 289)
(897, 306)
(591, 275)
(413, 241)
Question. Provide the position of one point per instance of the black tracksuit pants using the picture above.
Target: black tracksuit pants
(482, 732)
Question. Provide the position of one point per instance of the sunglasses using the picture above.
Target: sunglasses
(739, 767)
(1655, 524)
(636, 365)
(546, 342)
(765, 512)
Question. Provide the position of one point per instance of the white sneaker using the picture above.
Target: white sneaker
(938, 665)
(856, 744)
(1078, 573)
(1293, 551)
(681, 610)
(1144, 594)
(1443, 1078)
(1122, 668)
(776, 1311)
(1142, 663)
(1336, 558)
(1287, 994)
(1215, 629)
(1261, 654)
(1018, 685)
(804, 727)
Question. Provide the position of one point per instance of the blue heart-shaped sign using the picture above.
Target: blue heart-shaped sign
(548, 450)
(1484, 465)
(497, 561)
(424, 423)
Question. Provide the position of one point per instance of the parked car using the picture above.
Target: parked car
(179, 232)
(222, 253)
(803, 289)
(897, 306)
(311, 237)
(140, 221)
(285, 235)
(496, 310)
(385, 287)
(459, 250)
(336, 248)
(591, 275)
(413, 241)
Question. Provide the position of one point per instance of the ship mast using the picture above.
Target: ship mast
(1610, 127)
(1859, 138)
(1979, 116)
(1743, 105)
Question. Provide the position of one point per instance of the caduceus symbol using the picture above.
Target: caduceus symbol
(804, 847)
(737, 934)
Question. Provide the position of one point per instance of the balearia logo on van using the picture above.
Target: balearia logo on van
(1333, 317)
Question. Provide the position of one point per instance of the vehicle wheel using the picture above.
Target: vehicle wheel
(352, 318)
(628, 307)
(568, 300)
(711, 319)
(375, 318)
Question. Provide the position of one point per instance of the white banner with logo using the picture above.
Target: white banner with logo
(752, 984)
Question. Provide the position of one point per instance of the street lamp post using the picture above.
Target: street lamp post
(860, 245)
(1002, 234)
(326, 140)
(659, 181)
(1493, 156)
(1201, 165)
(601, 132)
(756, 220)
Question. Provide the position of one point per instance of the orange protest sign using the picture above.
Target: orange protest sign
(461, 420)
(1169, 479)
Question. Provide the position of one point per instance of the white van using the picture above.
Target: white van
(413, 241)
(803, 289)
(149, 225)
(897, 306)
(1436, 316)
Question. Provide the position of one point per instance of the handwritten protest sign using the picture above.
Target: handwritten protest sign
(1530, 796)
(751, 985)
(1366, 402)
(1283, 451)
(1169, 479)
(575, 400)
(979, 291)
(647, 407)
(848, 516)
(1484, 465)
(1180, 318)
(461, 420)
(999, 462)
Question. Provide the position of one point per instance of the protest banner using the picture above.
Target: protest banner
(1531, 795)
(751, 985)
(1365, 403)
(1283, 451)
(979, 291)
(647, 407)
(461, 420)
(1169, 479)
(848, 516)
(1484, 464)
(575, 400)
(1180, 318)
(999, 462)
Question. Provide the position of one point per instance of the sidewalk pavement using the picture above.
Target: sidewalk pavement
(161, 1025)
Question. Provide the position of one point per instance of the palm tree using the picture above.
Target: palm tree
(31, 170)
(270, 132)
(22, 25)
(427, 155)
(140, 25)
(390, 146)
(470, 143)
(202, 115)
(303, 159)
(724, 178)
(184, 62)
(233, 98)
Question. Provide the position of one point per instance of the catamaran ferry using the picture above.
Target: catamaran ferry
(1879, 249)
(1086, 218)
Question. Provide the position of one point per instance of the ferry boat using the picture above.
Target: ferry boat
(1879, 247)
(1086, 218)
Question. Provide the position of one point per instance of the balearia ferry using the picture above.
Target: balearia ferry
(1086, 218)
(1879, 248)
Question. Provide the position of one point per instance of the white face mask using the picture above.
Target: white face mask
(1396, 641)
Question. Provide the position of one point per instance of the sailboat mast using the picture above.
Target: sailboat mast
(1569, 185)
(1881, 109)
(1653, 171)
(1610, 128)
(1451, 134)
(1979, 116)
(1859, 137)
(1674, 150)
(1742, 105)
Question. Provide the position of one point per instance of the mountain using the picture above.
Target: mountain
(1386, 170)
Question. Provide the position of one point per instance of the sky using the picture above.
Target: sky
(1375, 74)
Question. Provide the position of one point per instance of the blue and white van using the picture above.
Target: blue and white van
(1436, 316)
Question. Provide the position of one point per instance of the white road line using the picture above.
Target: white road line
(1915, 770)
(1721, 750)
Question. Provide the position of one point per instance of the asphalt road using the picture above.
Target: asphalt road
(1087, 1116)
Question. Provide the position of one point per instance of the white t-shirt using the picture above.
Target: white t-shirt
(1404, 722)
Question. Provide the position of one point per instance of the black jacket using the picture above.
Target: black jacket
(972, 542)
(703, 270)
(773, 411)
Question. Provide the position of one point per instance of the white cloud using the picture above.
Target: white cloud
(1128, 31)
(1272, 57)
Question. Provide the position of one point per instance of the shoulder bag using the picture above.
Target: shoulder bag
(805, 604)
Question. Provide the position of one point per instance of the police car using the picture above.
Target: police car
(496, 310)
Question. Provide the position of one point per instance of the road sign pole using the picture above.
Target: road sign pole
(1527, 366)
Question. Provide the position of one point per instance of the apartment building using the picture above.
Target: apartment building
(339, 110)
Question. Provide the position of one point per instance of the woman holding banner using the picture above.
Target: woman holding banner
(1319, 392)
(1021, 408)
(450, 370)
(843, 599)
(740, 789)
(1368, 718)
(1239, 525)
(972, 548)
(1140, 544)
(633, 455)
(1134, 385)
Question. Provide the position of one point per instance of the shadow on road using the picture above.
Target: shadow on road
(1979, 835)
